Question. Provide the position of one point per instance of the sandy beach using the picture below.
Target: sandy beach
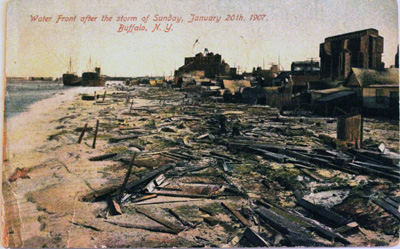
(47, 203)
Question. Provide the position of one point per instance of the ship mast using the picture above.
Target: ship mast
(70, 65)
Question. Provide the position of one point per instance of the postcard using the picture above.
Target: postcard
(189, 123)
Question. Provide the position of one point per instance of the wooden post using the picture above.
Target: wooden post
(82, 133)
(95, 134)
(95, 96)
(130, 108)
(121, 191)
(127, 98)
(104, 95)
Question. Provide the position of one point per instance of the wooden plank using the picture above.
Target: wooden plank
(143, 198)
(321, 211)
(181, 219)
(281, 224)
(238, 215)
(297, 155)
(255, 239)
(159, 219)
(144, 227)
(148, 177)
(394, 211)
(375, 172)
(269, 155)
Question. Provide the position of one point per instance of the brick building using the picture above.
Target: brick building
(360, 49)
(212, 65)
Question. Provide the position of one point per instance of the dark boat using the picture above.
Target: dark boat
(71, 79)
(92, 78)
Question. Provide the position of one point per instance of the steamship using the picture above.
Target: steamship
(70, 78)
(92, 78)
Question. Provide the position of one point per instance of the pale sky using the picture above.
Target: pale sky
(293, 31)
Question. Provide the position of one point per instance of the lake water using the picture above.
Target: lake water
(21, 94)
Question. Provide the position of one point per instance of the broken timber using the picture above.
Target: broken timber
(149, 228)
(102, 157)
(160, 220)
(126, 177)
(182, 220)
(255, 239)
(240, 217)
(324, 213)
(394, 211)
(147, 178)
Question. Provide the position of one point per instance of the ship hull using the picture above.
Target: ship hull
(92, 79)
(71, 80)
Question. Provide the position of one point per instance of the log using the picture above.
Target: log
(159, 219)
(240, 217)
(144, 227)
(103, 157)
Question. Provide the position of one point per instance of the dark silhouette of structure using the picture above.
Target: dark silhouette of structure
(212, 65)
(360, 49)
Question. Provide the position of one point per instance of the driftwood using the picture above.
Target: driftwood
(144, 227)
(103, 157)
(323, 231)
(324, 213)
(269, 155)
(255, 239)
(281, 224)
(240, 217)
(101, 194)
(394, 211)
(86, 226)
(181, 219)
(159, 219)
(143, 198)
(118, 139)
(148, 177)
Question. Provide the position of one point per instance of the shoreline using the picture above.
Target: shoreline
(53, 205)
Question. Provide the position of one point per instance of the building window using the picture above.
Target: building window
(379, 96)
